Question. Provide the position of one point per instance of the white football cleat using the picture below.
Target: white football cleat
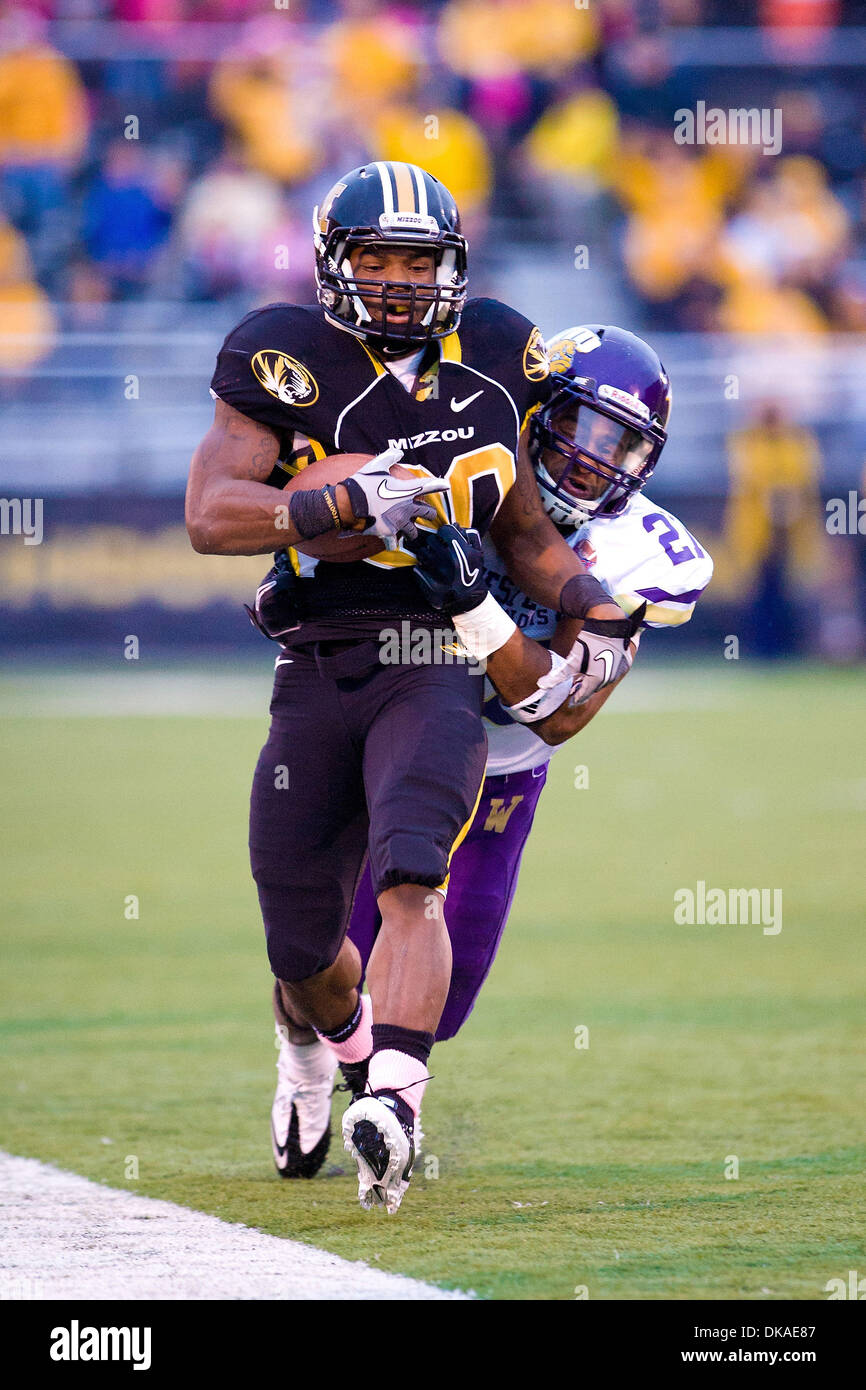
(383, 1147)
(301, 1112)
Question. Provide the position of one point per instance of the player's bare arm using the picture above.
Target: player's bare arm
(230, 510)
(569, 720)
(536, 556)
(529, 678)
(516, 668)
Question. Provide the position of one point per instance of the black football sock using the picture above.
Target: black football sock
(409, 1040)
(345, 1030)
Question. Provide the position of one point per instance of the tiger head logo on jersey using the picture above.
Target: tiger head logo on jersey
(535, 361)
(284, 377)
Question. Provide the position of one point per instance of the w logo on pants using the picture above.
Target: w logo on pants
(499, 813)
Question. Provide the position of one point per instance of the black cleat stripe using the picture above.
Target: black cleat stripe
(298, 1164)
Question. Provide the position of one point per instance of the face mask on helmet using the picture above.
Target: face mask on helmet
(587, 463)
(361, 304)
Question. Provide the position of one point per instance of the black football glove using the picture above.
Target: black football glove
(277, 612)
(450, 568)
(601, 653)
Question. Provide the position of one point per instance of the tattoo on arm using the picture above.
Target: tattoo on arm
(208, 450)
(526, 488)
(264, 457)
(252, 446)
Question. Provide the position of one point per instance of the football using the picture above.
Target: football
(341, 547)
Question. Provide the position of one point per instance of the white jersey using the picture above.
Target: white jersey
(645, 554)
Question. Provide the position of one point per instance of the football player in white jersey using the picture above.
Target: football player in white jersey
(593, 446)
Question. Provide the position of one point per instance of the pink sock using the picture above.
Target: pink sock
(391, 1070)
(359, 1043)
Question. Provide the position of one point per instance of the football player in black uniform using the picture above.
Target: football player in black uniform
(365, 758)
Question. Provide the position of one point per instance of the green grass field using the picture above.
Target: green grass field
(558, 1166)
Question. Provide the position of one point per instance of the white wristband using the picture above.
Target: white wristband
(552, 690)
(485, 629)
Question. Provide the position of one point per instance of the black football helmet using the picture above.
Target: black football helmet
(607, 416)
(403, 205)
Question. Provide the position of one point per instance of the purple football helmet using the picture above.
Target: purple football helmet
(605, 421)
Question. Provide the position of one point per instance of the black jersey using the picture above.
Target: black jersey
(324, 392)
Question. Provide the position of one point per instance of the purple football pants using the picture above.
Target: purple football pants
(481, 888)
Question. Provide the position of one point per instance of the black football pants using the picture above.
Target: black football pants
(360, 758)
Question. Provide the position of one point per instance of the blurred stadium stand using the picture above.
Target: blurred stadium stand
(159, 160)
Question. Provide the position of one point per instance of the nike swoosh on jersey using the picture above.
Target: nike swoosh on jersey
(457, 406)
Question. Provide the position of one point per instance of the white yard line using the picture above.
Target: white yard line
(64, 1237)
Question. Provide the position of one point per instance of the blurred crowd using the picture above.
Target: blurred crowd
(158, 172)
(162, 152)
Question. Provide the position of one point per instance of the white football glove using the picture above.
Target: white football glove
(390, 504)
(602, 653)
